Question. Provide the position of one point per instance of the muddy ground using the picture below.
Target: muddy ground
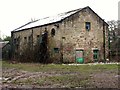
(16, 78)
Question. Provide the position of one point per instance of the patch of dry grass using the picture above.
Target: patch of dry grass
(56, 75)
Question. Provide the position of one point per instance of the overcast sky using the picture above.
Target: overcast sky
(14, 13)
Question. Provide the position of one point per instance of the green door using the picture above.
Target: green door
(79, 56)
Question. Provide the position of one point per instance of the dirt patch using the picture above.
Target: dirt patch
(105, 79)
(16, 78)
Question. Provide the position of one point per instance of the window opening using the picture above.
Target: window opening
(56, 50)
(95, 55)
(87, 26)
(53, 32)
(25, 39)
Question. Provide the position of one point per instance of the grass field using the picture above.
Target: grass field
(61, 75)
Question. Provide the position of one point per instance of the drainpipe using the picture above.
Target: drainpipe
(104, 41)
(32, 39)
(61, 57)
(109, 45)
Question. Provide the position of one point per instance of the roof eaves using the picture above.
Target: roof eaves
(46, 23)
(37, 26)
(25, 25)
(77, 10)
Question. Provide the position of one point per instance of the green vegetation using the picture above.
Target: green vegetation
(55, 75)
(7, 38)
(36, 67)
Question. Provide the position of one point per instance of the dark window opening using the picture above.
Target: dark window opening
(14, 41)
(38, 37)
(63, 37)
(87, 26)
(56, 50)
(95, 55)
(25, 38)
(53, 32)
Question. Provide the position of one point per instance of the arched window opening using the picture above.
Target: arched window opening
(53, 32)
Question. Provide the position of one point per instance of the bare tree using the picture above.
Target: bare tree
(114, 40)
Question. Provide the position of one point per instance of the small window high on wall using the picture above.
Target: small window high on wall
(38, 37)
(56, 50)
(87, 26)
(25, 39)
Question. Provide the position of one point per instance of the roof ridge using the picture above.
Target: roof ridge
(73, 10)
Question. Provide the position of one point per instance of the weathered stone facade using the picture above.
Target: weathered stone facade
(67, 36)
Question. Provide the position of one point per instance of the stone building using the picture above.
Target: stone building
(79, 36)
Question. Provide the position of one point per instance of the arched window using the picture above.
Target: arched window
(53, 32)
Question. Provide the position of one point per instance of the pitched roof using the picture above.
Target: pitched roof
(51, 19)
(3, 43)
(47, 20)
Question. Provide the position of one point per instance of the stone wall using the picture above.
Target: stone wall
(34, 36)
(76, 36)
(70, 34)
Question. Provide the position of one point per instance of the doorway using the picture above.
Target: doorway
(79, 56)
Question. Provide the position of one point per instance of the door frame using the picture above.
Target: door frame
(79, 49)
